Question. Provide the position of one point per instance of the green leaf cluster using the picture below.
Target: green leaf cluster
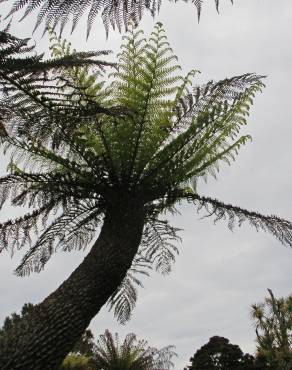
(273, 322)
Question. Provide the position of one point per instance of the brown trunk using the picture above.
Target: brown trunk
(59, 321)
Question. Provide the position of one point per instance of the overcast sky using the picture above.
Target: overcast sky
(219, 273)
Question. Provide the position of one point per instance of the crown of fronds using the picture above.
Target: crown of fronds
(114, 13)
(132, 354)
(169, 135)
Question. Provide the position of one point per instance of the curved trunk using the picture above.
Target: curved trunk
(58, 322)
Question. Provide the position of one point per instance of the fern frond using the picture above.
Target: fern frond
(117, 14)
(73, 229)
(205, 129)
(17, 233)
(145, 81)
(158, 245)
(29, 84)
(157, 251)
(235, 216)
(123, 300)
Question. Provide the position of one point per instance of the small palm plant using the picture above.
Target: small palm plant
(121, 170)
(132, 354)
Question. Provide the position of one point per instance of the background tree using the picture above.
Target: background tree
(113, 13)
(273, 321)
(78, 362)
(120, 172)
(85, 345)
(132, 354)
(15, 320)
(81, 355)
(219, 354)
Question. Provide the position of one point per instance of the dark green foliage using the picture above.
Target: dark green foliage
(219, 354)
(273, 320)
(80, 357)
(29, 84)
(14, 325)
(71, 165)
(16, 57)
(110, 354)
(85, 345)
(114, 13)
(132, 354)
(236, 216)
(15, 319)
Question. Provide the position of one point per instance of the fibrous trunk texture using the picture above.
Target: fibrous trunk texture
(59, 321)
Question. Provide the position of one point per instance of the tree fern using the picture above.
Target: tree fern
(168, 134)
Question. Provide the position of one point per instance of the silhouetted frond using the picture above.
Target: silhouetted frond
(33, 86)
(157, 251)
(74, 229)
(123, 300)
(236, 216)
(158, 245)
(113, 13)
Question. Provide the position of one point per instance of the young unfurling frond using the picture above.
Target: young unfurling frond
(146, 80)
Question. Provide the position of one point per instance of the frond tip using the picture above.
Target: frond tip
(280, 228)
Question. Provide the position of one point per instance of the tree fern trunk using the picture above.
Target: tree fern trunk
(59, 321)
